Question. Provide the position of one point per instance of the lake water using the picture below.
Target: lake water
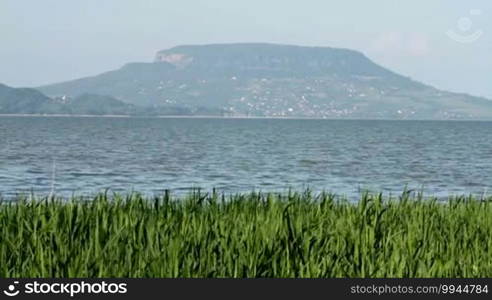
(86, 155)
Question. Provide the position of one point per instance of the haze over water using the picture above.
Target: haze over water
(87, 155)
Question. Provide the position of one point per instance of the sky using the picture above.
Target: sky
(447, 44)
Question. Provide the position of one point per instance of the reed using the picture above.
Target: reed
(301, 235)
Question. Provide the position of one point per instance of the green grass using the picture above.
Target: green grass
(247, 235)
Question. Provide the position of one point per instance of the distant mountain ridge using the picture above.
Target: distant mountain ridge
(28, 101)
(254, 60)
(24, 100)
(274, 81)
(31, 101)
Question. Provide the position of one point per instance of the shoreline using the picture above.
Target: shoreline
(182, 194)
(229, 117)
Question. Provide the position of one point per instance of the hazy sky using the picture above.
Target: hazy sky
(55, 40)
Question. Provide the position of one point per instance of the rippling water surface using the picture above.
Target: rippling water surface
(86, 155)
